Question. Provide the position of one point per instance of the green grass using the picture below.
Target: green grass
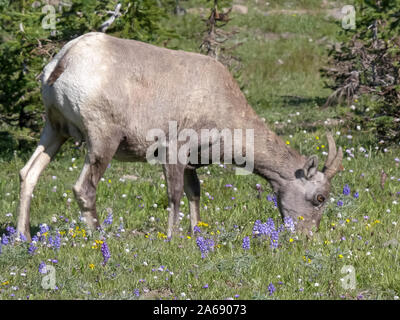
(362, 233)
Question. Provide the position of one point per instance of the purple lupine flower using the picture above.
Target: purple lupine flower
(289, 224)
(274, 238)
(270, 226)
(205, 286)
(271, 289)
(32, 249)
(22, 237)
(275, 201)
(50, 240)
(196, 229)
(57, 241)
(10, 230)
(228, 186)
(109, 219)
(43, 228)
(4, 239)
(205, 245)
(340, 203)
(136, 292)
(246, 243)
(202, 246)
(105, 251)
(272, 198)
(346, 190)
(35, 238)
(356, 195)
(42, 268)
(257, 227)
(121, 226)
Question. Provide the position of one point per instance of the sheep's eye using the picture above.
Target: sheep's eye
(320, 198)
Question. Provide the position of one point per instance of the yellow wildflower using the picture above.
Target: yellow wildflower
(301, 218)
(5, 283)
(291, 240)
(189, 237)
(340, 256)
(287, 142)
(202, 224)
(161, 235)
(91, 266)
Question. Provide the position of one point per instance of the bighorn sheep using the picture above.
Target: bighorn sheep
(110, 92)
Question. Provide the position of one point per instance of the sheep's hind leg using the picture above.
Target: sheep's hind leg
(50, 142)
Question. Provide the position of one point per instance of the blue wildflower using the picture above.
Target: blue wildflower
(22, 237)
(272, 198)
(57, 241)
(271, 289)
(356, 195)
(270, 226)
(109, 219)
(274, 238)
(10, 230)
(289, 224)
(4, 239)
(205, 245)
(346, 190)
(105, 251)
(42, 268)
(43, 228)
(196, 229)
(340, 203)
(32, 249)
(246, 243)
(136, 292)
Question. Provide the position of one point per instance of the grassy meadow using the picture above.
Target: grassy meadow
(281, 54)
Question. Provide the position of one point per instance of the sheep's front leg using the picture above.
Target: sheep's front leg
(192, 190)
(96, 163)
(174, 177)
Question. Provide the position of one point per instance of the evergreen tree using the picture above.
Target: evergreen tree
(366, 68)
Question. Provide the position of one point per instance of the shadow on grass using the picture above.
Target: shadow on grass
(303, 101)
(33, 229)
(9, 144)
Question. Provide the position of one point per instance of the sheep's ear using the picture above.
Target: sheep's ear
(311, 167)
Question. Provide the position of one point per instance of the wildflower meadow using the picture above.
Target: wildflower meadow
(241, 249)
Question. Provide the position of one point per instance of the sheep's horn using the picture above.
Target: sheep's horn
(334, 161)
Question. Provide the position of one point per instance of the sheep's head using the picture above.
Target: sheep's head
(304, 197)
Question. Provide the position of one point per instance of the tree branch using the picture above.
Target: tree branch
(114, 15)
